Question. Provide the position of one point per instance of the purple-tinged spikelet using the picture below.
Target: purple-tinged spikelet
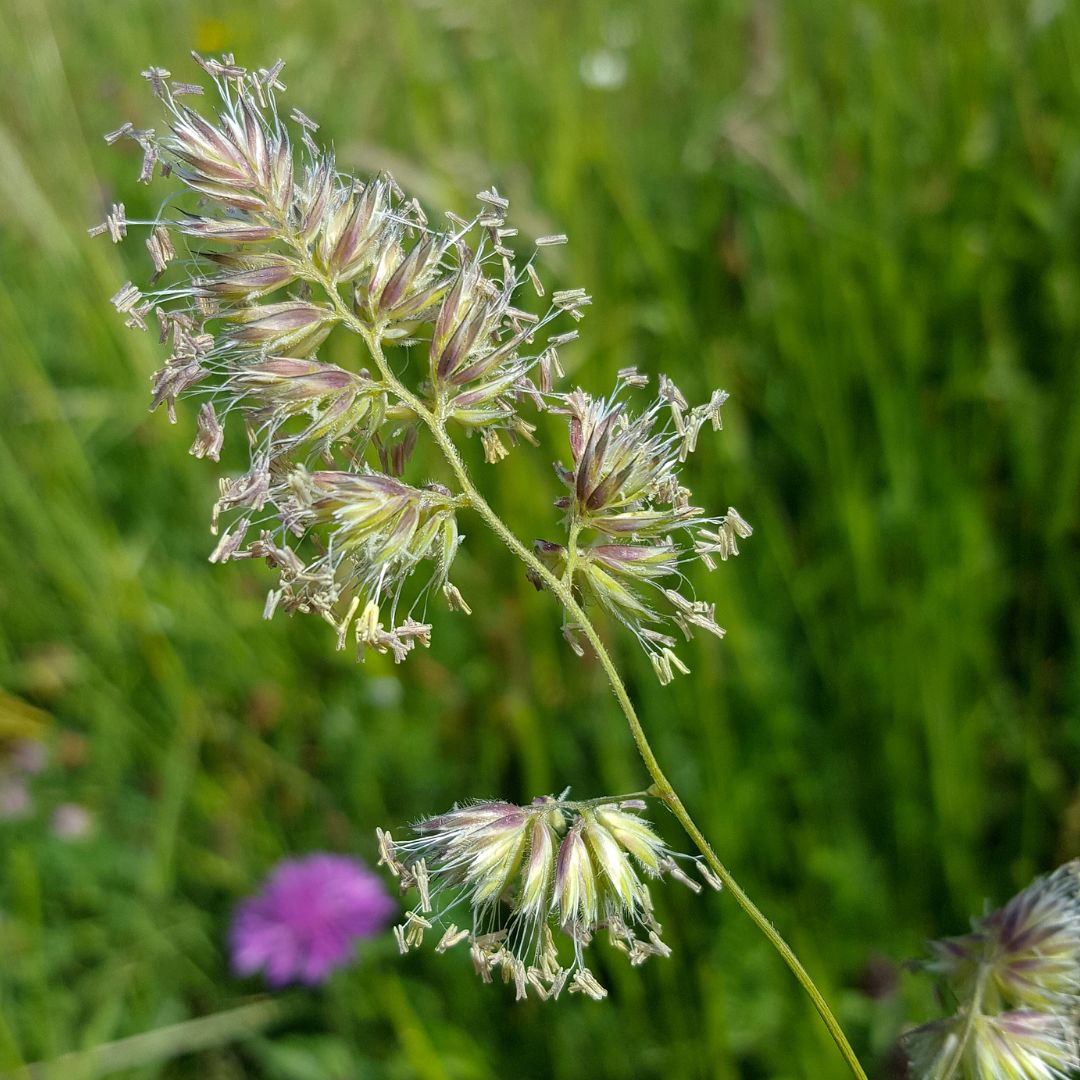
(1030, 948)
(1019, 1045)
(1016, 980)
(527, 871)
(630, 521)
(281, 250)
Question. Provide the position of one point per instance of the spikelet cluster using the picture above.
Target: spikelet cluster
(274, 251)
(630, 520)
(1016, 981)
(532, 876)
(266, 253)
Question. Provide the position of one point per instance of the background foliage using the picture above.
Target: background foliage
(862, 219)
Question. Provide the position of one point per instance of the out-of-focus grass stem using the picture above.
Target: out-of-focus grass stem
(164, 1043)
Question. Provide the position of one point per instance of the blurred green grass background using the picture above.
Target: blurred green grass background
(863, 220)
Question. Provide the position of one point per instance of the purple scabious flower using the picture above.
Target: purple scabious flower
(306, 919)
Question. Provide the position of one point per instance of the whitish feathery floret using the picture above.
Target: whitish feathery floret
(630, 521)
(527, 873)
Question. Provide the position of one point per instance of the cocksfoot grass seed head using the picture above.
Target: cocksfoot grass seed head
(630, 520)
(275, 249)
(528, 873)
(377, 530)
(1028, 951)
(1019, 1045)
(1016, 981)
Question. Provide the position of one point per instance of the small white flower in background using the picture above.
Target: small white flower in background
(29, 757)
(21, 760)
(527, 873)
(71, 821)
(603, 69)
(15, 801)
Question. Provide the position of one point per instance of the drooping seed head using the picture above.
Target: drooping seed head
(524, 870)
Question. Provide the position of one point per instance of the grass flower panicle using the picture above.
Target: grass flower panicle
(278, 250)
(1029, 949)
(1016, 979)
(1018, 1045)
(525, 871)
(273, 253)
(627, 510)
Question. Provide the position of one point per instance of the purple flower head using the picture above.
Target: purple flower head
(306, 919)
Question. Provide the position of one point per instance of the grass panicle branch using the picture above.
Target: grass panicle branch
(279, 252)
